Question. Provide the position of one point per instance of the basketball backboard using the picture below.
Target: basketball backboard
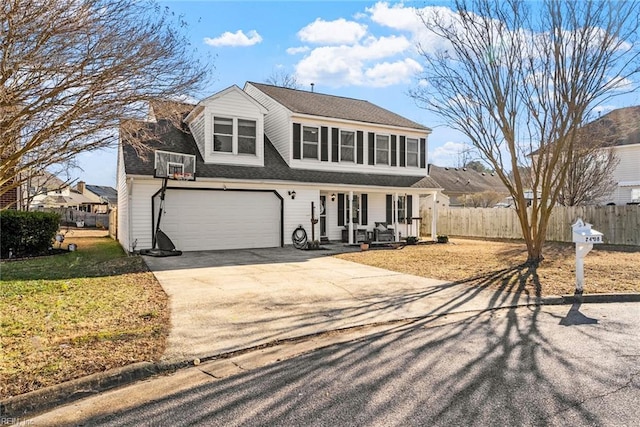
(172, 165)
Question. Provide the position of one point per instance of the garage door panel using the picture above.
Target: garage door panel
(208, 220)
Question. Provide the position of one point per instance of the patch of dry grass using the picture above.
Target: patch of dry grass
(67, 316)
(477, 262)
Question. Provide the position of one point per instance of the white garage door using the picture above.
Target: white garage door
(198, 220)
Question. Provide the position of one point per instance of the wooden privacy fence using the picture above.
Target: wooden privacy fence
(113, 224)
(620, 224)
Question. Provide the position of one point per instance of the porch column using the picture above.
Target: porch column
(350, 219)
(434, 217)
(395, 217)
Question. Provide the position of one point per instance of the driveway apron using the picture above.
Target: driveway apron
(222, 301)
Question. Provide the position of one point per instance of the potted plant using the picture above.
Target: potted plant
(364, 245)
(443, 239)
(412, 240)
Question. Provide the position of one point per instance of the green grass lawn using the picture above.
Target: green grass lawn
(70, 315)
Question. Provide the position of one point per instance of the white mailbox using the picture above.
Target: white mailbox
(582, 233)
(584, 238)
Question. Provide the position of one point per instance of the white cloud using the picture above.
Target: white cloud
(390, 73)
(346, 65)
(448, 153)
(235, 39)
(296, 50)
(408, 19)
(335, 32)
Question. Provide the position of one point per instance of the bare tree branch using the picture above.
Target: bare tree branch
(71, 70)
(516, 81)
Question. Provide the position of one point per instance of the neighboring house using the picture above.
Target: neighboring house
(46, 191)
(263, 157)
(9, 197)
(619, 130)
(468, 188)
(104, 198)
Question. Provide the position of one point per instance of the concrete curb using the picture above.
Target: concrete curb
(41, 400)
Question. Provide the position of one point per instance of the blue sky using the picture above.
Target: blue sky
(359, 49)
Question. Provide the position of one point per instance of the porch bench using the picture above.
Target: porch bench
(382, 233)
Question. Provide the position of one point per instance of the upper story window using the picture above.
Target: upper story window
(234, 135)
(223, 134)
(382, 150)
(347, 146)
(412, 152)
(309, 142)
(246, 136)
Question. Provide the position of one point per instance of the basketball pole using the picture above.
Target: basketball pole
(162, 194)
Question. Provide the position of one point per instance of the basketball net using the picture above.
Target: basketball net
(182, 176)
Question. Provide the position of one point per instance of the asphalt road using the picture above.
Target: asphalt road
(549, 365)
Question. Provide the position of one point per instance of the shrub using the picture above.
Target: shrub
(443, 239)
(27, 233)
(412, 240)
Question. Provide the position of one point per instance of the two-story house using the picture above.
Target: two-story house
(267, 160)
(619, 131)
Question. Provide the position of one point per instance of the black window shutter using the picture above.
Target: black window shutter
(340, 208)
(296, 140)
(423, 153)
(403, 151)
(409, 211)
(394, 156)
(389, 209)
(360, 147)
(372, 148)
(334, 144)
(324, 144)
(363, 209)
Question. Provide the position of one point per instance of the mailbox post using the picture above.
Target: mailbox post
(584, 238)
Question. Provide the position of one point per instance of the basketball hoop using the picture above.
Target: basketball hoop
(182, 176)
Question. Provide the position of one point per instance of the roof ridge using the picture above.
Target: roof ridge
(315, 93)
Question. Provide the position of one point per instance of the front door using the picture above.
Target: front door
(323, 216)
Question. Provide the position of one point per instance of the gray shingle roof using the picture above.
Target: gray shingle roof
(108, 193)
(618, 127)
(455, 181)
(275, 168)
(318, 104)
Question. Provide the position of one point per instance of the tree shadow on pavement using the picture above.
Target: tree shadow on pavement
(488, 367)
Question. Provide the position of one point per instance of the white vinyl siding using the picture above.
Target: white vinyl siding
(197, 130)
(277, 123)
(123, 205)
(234, 106)
(627, 173)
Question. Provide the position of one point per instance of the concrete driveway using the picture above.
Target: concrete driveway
(223, 301)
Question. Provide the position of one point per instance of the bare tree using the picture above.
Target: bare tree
(589, 177)
(70, 70)
(477, 166)
(515, 80)
(283, 79)
(484, 199)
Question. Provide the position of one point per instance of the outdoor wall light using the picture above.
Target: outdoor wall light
(292, 193)
(333, 197)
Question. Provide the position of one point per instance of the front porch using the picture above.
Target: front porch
(353, 217)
